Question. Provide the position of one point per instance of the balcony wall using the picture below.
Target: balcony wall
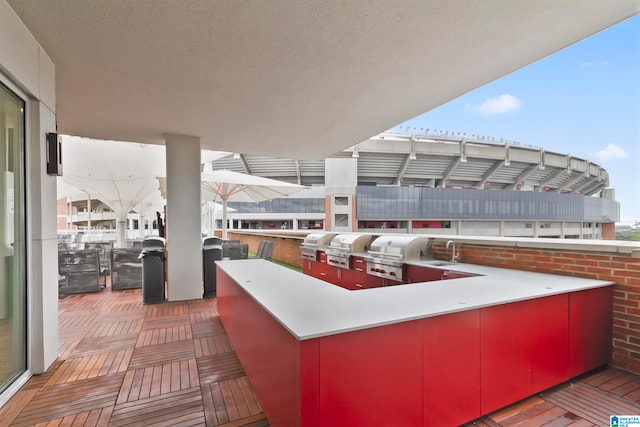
(614, 261)
(286, 249)
(618, 262)
(94, 216)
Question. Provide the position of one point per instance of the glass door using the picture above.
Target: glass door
(13, 339)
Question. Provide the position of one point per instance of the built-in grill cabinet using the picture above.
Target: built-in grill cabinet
(343, 246)
(387, 255)
(313, 243)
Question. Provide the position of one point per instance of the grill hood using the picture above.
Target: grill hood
(403, 248)
(318, 240)
(350, 243)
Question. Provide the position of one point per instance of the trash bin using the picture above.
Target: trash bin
(211, 252)
(152, 256)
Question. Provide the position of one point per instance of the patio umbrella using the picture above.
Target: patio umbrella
(210, 211)
(224, 185)
(120, 174)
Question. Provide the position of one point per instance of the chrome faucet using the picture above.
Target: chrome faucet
(454, 255)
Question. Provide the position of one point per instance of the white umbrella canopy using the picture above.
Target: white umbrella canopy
(120, 174)
(224, 185)
(65, 189)
(210, 211)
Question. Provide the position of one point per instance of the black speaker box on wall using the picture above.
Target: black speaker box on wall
(54, 154)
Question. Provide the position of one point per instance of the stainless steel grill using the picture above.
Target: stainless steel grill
(343, 246)
(313, 243)
(387, 255)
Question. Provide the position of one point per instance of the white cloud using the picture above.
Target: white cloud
(495, 106)
(611, 152)
(595, 64)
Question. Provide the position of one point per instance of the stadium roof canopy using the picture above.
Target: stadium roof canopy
(394, 158)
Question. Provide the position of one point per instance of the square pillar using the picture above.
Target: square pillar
(184, 241)
(42, 270)
(341, 181)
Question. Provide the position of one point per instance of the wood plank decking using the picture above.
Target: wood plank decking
(123, 363)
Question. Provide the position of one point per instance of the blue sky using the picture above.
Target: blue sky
(584, 100)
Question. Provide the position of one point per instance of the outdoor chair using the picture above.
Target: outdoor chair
(235, 250)
(126, 268)
(79, 271)
(265, 250)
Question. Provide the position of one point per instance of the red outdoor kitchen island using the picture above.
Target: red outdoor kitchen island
(441, 352)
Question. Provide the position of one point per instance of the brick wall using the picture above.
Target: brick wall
(608, 230)
(62, 213)
(286, 249)
(621, 268)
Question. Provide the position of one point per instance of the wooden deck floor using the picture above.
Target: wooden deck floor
(587, 401)
(124, 363)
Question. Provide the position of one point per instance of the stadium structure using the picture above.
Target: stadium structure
(435, 183)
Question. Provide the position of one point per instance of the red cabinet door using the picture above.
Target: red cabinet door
(359, 273)
(590, 329)
(550, 341)
(312, 268)
(416, 274)
(380, 282)
(372, 377)
(307, 267)
(505, 354)
(325, 271)
(451, 368)
(344, 278)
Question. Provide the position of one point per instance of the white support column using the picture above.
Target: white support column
(89, 212)
(121, 231)
(69, 212)
(184, 242)
(141, 221)
(341, 181)
(43, 268)
(295, 224)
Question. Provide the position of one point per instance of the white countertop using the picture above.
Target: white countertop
(309, 308)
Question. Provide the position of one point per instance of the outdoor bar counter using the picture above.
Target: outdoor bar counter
(435, 353)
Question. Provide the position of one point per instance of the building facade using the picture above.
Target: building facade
(436, 184)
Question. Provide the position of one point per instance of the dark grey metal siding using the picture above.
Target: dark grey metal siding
(380, 202)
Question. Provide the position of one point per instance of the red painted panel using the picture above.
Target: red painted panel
(327, 272)
(269, 354)
(310, 268)
(374, 281)
(372, 377)
(341, 277)
(309, 383)
(416, 274)
(590, 329)
(451, 368)
(505, 354)
(379, 282)
(359, 274)
(550, 341)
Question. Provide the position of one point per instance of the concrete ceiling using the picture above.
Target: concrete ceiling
(301, 79)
